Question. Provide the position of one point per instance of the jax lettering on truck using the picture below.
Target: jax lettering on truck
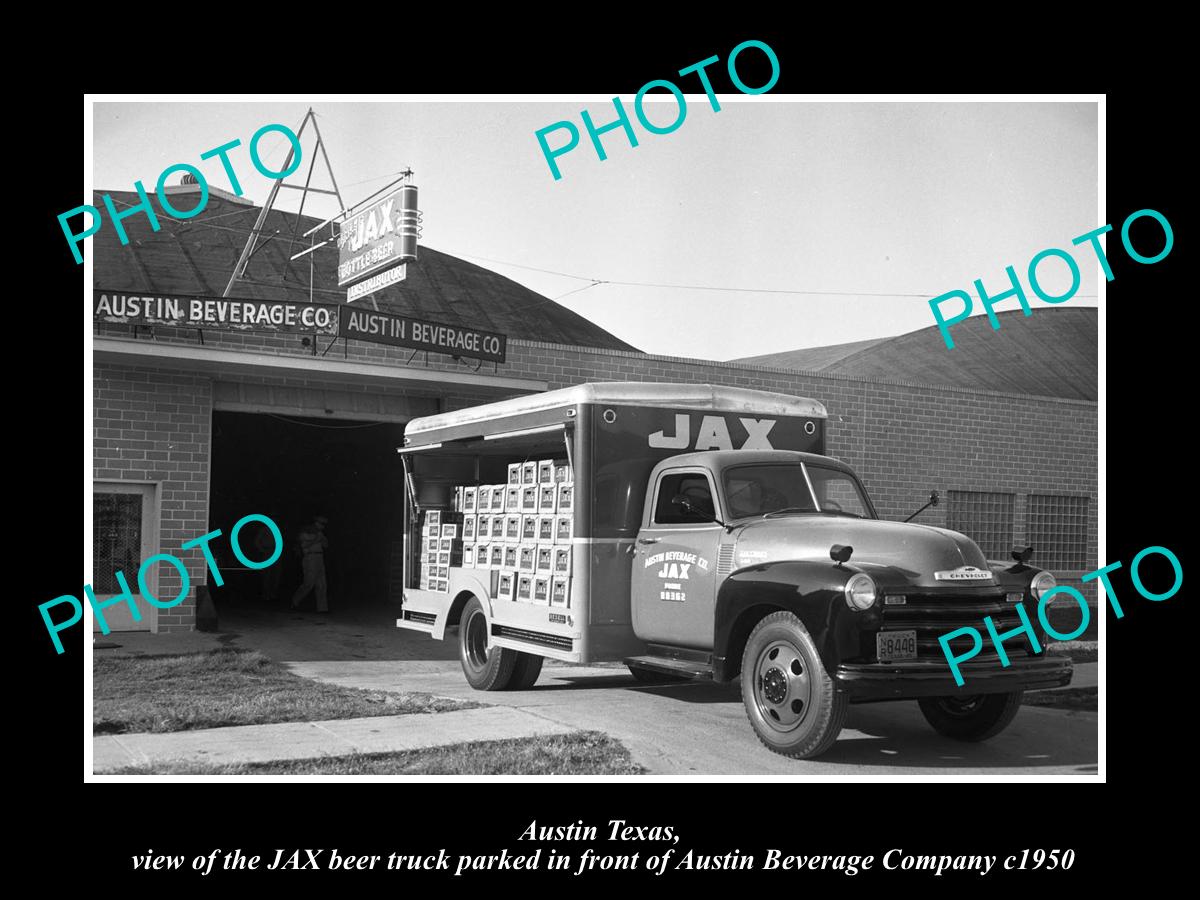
(712, 433)
(676, 568)
(667, 430)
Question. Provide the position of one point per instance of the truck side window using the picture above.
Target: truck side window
(692, 485)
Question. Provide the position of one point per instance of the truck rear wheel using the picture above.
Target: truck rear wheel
(487, 668)
(972, 718)
(526, 671)
(790, 700)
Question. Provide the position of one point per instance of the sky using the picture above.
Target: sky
(835, 202)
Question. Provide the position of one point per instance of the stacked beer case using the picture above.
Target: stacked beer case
(441, 548)
(524, 528)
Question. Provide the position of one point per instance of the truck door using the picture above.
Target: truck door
(674, 561)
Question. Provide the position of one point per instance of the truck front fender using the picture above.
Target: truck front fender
(813, 591)
(1014, 577)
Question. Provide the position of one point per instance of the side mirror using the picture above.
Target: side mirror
(934, 499)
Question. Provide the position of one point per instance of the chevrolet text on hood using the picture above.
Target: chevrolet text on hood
(699, 532)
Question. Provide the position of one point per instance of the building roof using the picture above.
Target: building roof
(683, 396)
(814, 358)
(197, 256)
(1052, 353)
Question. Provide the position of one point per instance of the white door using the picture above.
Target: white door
(123, 535)
(674, 561)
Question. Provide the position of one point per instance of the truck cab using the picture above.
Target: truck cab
(700, 506)
(775, 566)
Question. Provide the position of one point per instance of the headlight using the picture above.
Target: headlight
(861, 592)
(1042, 582)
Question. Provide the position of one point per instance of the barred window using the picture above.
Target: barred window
(1057, 529)
(116, 539)
(984, 517)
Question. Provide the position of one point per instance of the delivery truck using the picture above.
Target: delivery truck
(698, 531)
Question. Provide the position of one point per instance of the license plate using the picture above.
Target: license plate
(890, 645)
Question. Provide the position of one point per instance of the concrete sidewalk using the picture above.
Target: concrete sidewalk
(700, 728)
(306, 740)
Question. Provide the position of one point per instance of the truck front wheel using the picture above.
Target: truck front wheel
(971, 718)
(487, 668)
(790, 700)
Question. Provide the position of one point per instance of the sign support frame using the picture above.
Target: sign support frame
(252, 242)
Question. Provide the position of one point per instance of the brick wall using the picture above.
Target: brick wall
(903, 439)
(154, 425)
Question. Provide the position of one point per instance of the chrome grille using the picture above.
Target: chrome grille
(931, 616)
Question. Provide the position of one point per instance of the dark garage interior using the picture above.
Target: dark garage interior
(293, 468)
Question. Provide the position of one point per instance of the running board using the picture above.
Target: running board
(667, 665)
(415, 624)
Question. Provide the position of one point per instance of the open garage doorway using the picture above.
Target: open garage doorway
(293, 468)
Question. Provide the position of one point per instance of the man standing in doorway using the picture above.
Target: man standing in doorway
(313, 545)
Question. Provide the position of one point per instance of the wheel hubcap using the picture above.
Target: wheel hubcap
(782, 686)
(775, 685)
(476, 640)
(960, 707)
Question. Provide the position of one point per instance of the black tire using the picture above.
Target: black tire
(791, 701)
(526, 671)
(650, 676)
(975, 717)
(487, 668)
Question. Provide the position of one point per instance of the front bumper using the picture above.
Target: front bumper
(932, 678)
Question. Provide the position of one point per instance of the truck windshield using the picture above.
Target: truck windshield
(783, 489)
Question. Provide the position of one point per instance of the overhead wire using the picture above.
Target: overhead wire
(593, 282)
(701, 287)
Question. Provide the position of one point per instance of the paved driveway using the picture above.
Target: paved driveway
(701, 728)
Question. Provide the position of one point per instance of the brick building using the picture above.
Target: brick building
(194, 430)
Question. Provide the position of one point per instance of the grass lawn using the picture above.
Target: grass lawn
(229, 687)
(1079, 651)
(579, 753)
